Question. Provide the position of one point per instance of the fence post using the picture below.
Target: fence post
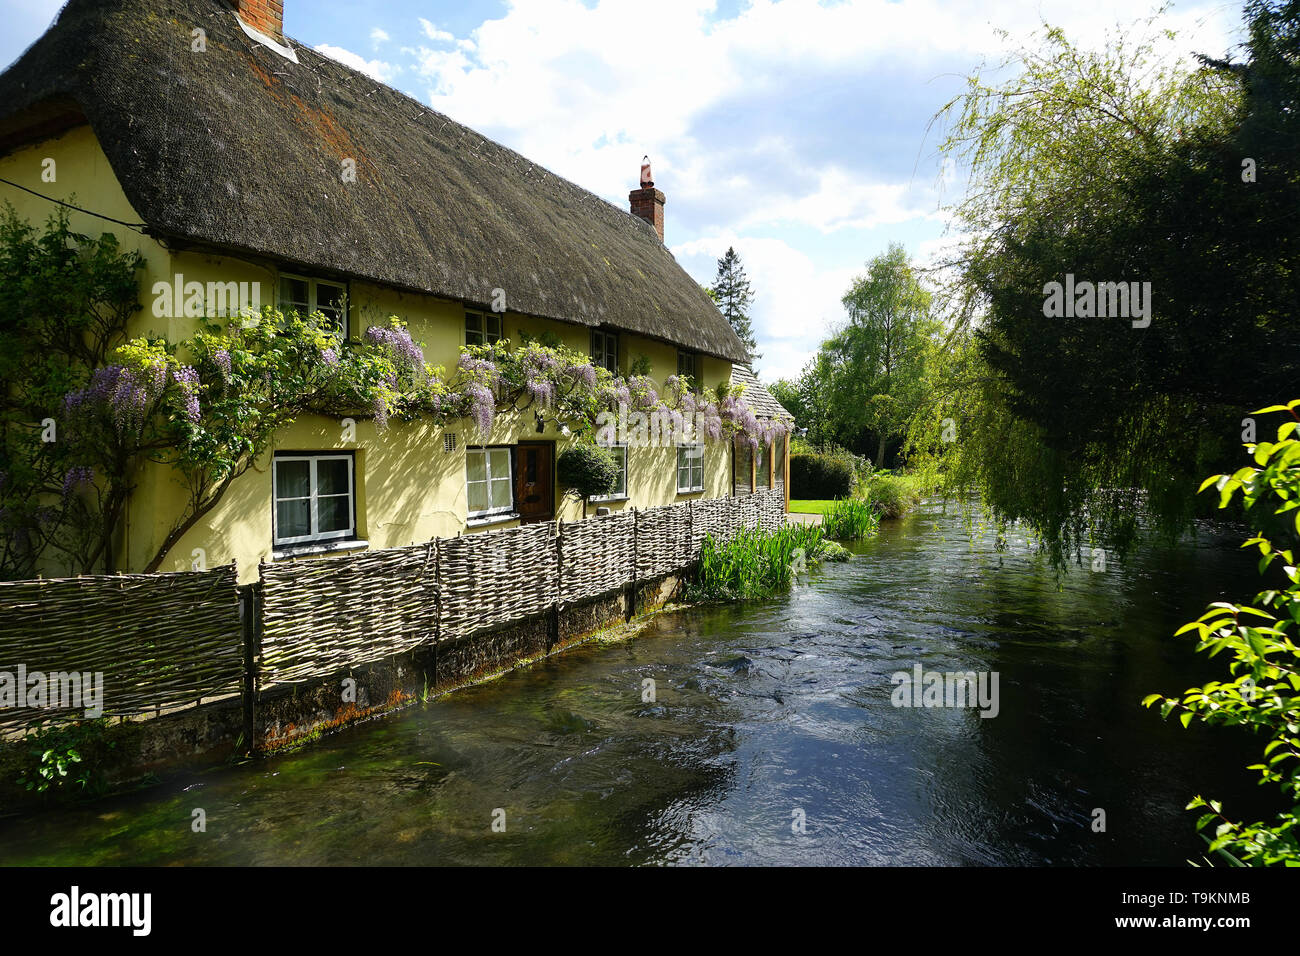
(631, 584)
(553, 625)
(248, 607)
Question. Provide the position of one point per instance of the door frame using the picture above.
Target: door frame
(519, 446)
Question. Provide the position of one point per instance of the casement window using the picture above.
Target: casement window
(690, 468)
(604, 350)
(619, 491)
(743, 460)
(482, 328)
(489, 481)
(761, 464)
(305, 296)
(688, 364)
(315, 497)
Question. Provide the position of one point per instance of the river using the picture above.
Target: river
(772, 738)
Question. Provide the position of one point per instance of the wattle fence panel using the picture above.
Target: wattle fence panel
(164, 641)
(157, 641)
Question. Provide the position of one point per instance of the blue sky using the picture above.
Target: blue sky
(794, 130)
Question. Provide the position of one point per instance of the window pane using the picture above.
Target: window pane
(476, 466)
(501, 496)
(329, 297)
(293, 291)
(492, 325)
(293, 518)
(332, 476)
(334, 513)
(292, 479)
(500, 464)
(478, 496)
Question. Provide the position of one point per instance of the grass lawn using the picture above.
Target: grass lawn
(808, 507)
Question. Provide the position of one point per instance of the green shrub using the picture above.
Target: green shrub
(754, 564)
(585, 470)
(850, 518)
(1263, 689)
(820, 476)
(893, 495)
(69, 760)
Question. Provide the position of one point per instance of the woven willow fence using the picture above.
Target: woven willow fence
(164, 641)
(159, 640)
(321, 616)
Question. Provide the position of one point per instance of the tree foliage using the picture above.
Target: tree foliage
(734, 294)
(1118, 166)
(1263, 690)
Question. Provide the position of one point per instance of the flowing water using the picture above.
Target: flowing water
(764, 715)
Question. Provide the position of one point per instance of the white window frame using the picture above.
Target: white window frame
(695, 462)
(314, 534)
(487, 470)
(313, 300)
(484, 318)
(602, 356)
(615, 495)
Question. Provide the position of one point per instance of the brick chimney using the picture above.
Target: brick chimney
(264, 16)
(648, 202)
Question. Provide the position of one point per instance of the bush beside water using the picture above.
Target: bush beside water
(820, 476)
(754, 564)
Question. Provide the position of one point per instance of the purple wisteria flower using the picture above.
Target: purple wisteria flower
(380, 409)
(77, 476)
(188, 379)
(482, 406)
(584, 374)
(541, 390)
(401, 348)
(484, 370)
(329, 357)
(222, 359)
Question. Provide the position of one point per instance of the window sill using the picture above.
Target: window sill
(286, 552)
(485, 520)
(695, 491)
(611, 500)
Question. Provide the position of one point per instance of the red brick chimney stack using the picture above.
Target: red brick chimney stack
(648, 202)
(264, 16)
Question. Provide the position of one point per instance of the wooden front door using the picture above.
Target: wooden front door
(534, 481)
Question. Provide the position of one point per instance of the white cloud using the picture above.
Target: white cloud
(378, 36)
(377, 69)
(433, 33)
(796, 302)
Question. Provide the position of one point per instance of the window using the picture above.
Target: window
(764, 459)
(314, 498)
(305, 296)
(690, 468)
(482, 328)
(489, 483)
(743, 462)
(619, 491)
(688, 367)
(604, 350)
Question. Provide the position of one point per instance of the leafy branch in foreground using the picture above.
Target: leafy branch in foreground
(1264, 691)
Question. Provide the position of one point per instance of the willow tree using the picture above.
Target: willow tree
(878, 356)
(1119, 166)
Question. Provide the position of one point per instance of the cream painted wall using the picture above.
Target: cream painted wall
(408, 488)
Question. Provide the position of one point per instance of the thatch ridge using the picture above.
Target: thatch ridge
(240, 148)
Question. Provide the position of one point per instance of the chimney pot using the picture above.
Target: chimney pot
(648, 202)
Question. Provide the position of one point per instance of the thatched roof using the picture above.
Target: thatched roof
(240, 148)
(757, 396)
